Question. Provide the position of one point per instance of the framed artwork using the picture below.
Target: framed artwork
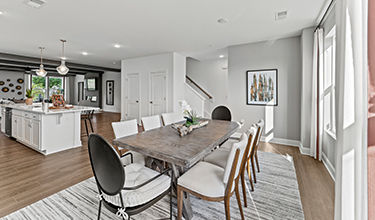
(109, 92)
(262, 87)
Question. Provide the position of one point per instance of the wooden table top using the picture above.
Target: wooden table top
(165, 143)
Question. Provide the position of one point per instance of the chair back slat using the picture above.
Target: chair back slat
(151, 122)
(241, 145)
(125, 128)
(170, 118)
(106, 165)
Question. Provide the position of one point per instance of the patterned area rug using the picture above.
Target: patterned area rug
(276, 196)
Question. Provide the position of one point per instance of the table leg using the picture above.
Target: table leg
(187, 211)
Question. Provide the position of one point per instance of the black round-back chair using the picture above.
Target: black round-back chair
(109, 174)
(221, 113)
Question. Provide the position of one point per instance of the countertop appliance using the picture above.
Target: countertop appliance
(8, 122)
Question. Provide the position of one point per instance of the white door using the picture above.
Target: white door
(133, 99)
(158, 93)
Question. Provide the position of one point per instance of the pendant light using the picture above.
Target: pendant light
(63, 69)
(41, 72)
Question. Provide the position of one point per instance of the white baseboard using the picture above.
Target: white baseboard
(282, 141)
(328, 165)
(304, 150)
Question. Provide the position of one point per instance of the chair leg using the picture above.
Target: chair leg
(249, 174)
(256, 160)
(253, 167)
(100, 209)
(243, 188)
(87, 130)
(180, 196)
(227, 207)
(92, 129)
(239, 200)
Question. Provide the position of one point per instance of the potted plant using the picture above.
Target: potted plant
(29, 96)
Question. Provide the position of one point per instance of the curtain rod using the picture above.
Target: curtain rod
(325, 14)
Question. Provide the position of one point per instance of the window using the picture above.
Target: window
(329, 116)
(45, 87)
(55, 85)
(39, 88)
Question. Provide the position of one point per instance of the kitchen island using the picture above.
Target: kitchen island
(47, 131)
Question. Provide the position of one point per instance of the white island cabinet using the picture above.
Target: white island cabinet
(50, 131)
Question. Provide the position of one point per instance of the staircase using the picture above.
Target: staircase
(198, 98)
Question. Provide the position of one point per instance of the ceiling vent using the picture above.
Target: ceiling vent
(35, 3)
(281, 15)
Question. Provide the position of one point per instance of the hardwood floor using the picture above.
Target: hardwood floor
(27, 176)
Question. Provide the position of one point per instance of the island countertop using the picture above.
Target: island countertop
(37, 108)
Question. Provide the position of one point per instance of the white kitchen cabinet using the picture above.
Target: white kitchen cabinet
(35, 127)
(28, 131)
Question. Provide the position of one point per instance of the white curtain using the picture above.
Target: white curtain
(317, 89)
(351, 110)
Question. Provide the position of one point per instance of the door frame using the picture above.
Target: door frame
(165, 73)
(139, 96)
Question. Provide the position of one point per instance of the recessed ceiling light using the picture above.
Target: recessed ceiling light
(117, 45)
(222, 20)
(221, 56)
(84, 53)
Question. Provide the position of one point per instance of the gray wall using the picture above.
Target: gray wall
(284, 120)
(212, 76)
(12, 76)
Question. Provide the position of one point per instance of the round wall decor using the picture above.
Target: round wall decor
(18, 87)
(20, 81)
(12, 90)
(11, 84)
(19, 93)
(2, 83)
(8, 80)
(5, 89)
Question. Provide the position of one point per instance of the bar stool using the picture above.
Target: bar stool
(87, 116)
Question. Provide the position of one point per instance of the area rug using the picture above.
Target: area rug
(276, 196)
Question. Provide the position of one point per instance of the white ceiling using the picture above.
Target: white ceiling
(145, 27)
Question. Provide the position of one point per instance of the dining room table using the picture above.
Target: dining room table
(180, 153)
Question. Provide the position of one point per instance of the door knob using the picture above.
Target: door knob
(137, 101)
(150, 102)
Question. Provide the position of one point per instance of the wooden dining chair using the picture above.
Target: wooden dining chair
(170, 118)
(124, 129)
(214, 183)
(128, 190)
(151, 122)
(260, 124)
(218, 157)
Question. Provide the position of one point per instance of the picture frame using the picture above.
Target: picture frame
(262, 87)
(110, 86)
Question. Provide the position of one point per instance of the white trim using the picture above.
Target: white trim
(304, 150)
(331, 170)
(282, 141)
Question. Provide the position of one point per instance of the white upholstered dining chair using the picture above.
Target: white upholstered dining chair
(172, 117)
(214, 183)
(218, 157)
(151, 122)
(124, 129)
